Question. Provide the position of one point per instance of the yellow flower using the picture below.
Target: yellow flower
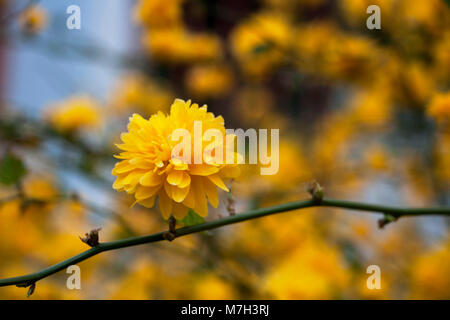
(351, 57)
(209, 80)
(138, 93)
(75, 113)
(260, 43)
(148, 168)
(430, 276)
(40, 189)
(158, 13)
(178, 46)
(439, 107)
(313, 271)
(371, 108)
(430, 14)
(414, 83)
(33, 20)
(211, 287)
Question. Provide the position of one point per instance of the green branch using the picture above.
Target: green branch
(391, 213)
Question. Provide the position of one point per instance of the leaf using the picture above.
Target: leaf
(447, 2)
(261, 48)
(11, 170)
(192, 219)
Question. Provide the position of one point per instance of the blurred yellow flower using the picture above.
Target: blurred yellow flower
(313, 271)
(75, 113)
(176, 45)
(137, 93)
(260, 42)
(33, 20)
(294, 170)
(430, 274)
(371, 108)
(351, 57)
(429, 14)
(209, 81)
(158, 13)
(439, 107)
(40, 189)
(321, 48)
(19, 233)
(148, 169)
(138, 282)
(416, 84)
(211, 287)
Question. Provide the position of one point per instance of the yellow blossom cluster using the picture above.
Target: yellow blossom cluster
(206, 81)
(261, 42)
(77, 112)
(179, 46)
(166, 37)
(439, 107)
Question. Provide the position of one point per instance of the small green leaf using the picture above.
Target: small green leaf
(389, 218)
(192, 218)
(261, 48)
(11, 170)
(447, 2)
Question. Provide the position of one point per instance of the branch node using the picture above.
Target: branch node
(169, 236)
(315, 190)
(30, 284)
(172, 233)
(387, 218)
(91, 238)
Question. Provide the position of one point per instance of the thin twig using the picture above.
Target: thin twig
(130, 242)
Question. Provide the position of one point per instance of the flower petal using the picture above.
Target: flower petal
(214, 178)
(148, 203)
(185, 181)
(150, 179)
(211, 192)
(179, 210)
(175, 177)
(145, 192)
(201, 206)
(179, 194)
(202, 169)
(189, 201)
(165, 204)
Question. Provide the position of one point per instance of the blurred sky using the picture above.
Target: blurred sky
(48, 68)
(38, 75)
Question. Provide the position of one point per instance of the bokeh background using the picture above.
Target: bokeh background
(364, 112)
